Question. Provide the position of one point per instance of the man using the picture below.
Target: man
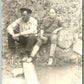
(50, 26)
(23, 30)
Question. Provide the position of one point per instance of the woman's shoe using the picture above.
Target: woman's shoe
(50, 61)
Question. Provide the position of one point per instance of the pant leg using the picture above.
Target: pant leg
(23, 40)
(53, 39)
(11, 42)
(37, 46)
(31, 40)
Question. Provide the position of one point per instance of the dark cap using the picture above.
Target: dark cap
(26, 9)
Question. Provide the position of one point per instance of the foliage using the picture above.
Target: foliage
(67, 10)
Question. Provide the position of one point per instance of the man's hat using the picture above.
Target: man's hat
(26, 9)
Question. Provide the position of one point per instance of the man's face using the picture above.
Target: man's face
(25, 16)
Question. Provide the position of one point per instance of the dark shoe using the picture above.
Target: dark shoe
(28, 53)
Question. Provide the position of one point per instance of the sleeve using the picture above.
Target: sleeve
(59, 23)
(44, 24)
(12, 27)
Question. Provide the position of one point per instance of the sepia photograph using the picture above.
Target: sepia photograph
(41, 41)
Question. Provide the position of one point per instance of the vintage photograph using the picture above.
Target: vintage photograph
(41, 41)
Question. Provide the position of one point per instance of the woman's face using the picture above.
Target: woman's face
(52, 13)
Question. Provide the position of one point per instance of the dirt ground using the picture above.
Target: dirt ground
(59, 75)
(64, 74)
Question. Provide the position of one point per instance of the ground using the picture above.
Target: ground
(64, 73)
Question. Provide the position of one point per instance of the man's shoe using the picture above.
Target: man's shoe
(30, 59)
(27, 59)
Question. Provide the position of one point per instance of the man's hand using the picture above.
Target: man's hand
(43, 37)
(15, 36)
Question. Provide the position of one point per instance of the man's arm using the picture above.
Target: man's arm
(60, 23)
(56, 30)
(11, 27)
(10, 30)
(60, 26)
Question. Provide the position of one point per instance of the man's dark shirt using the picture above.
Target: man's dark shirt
(49, 25)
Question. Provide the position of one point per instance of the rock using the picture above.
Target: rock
(77, 47)
(30, 73)
(64, 54)
(65, 38)
(17, 71)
